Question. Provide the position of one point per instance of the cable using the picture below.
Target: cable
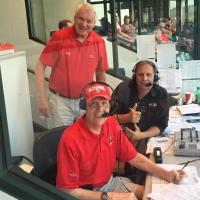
(119, 160)
(16, 160)
(169, 146)
(188, 162)
(26, 158)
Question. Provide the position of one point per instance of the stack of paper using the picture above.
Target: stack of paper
(187, 189)
(162, 142)
(189, 109)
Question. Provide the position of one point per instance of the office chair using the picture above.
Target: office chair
(45, 154)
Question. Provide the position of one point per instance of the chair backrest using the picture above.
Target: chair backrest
(45, 154)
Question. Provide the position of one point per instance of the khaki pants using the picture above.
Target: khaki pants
(64, 111)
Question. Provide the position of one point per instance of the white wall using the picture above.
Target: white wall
(17, 103)
(14, 28)
(66, 10)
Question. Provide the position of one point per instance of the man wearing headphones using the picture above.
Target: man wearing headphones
(88, 150)
(142, 108)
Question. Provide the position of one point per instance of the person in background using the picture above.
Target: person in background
(142, 108)
(161, 38)
(64, 23)
(119, 30)
(128, 28)
(135, 24)
(88, 150)
(74, 54)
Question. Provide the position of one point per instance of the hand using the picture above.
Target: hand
(122, 196)
(176, 176)
(44, 106)
(133, 115)
(133, 135)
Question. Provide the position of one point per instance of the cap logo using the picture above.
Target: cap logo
(97, 88)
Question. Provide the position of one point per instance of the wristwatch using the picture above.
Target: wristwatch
(104, 196)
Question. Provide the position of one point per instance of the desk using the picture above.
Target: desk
(168, 157)
(176, 121)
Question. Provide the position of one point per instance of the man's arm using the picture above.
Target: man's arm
(143, 163)
(138, 135)
(83, 194)
(40, 82)
(100, 76)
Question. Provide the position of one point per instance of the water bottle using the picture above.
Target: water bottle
(197, 94)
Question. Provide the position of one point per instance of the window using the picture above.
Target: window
(13, 180)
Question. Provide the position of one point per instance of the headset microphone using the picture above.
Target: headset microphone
(113, 110)
(148, 84)
(105, 114)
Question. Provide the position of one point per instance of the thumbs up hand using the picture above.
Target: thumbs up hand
(133, 115)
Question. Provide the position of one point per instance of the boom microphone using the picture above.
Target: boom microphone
(112, 111)
(148, 84)
(105, 114)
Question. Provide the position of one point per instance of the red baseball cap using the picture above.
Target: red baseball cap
(97, 90)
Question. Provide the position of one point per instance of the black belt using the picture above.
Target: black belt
(61, 95)
(57, 93)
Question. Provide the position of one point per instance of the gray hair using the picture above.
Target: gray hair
(87, 6)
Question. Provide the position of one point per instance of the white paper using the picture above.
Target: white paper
(146, 46)
(189, 109)
(188, 188)
(190, 69)
(162, 142)
(166, 55)
(176, 192)
(170, 79)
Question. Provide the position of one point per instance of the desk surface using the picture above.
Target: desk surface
(169, 158)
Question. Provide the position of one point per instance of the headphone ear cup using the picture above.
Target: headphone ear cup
(156, 77)
(113, 106)
(133, 77)
(82, 104)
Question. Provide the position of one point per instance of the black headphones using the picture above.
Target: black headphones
(156, 72)
(113, 101)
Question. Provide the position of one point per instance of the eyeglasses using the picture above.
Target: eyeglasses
(96, 105)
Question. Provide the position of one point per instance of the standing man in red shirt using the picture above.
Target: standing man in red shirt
(88, 150)
(74, 54)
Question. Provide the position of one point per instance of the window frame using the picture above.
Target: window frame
(15, 181)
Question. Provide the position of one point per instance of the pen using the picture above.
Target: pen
(184, 166)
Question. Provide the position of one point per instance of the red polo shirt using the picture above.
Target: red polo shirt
(86, 158)
(73, 63)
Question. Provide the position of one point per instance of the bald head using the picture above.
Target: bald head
(84, 20)
(86, 7)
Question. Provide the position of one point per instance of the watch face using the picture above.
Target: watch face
(104, 196)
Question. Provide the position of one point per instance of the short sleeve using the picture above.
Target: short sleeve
(50, 53)
(67, 167)
(103, 60)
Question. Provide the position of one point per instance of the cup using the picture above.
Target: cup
(188, 97)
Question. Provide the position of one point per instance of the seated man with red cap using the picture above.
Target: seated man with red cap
(88, 150)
